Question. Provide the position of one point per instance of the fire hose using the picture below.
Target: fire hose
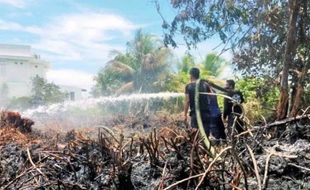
(206, 139)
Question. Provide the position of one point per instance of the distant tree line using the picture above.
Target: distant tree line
(149, 66)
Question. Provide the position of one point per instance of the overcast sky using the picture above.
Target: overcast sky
(77, 36)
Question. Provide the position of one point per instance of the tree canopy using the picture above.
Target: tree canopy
(141, 68)
(267, 38)
(44, 93)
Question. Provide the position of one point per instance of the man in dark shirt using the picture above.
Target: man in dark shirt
(216, 123)
(231, 109)
(203, 101)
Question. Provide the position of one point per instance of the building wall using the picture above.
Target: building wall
(17, 68)
(73, 93)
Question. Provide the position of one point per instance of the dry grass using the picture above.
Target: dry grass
(11, 134)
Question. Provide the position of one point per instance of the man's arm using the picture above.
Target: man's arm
(216, 86)
(186, 107)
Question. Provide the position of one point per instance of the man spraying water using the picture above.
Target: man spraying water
(190, 100)
(209, 110)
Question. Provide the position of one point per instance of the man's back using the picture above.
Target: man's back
(213, 106)
(203, 99)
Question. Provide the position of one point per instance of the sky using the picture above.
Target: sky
(77, 36)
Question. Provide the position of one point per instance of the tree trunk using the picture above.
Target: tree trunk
(290, 47)
(297, 100)
(301, 77)
(300, 90)
(282, 104)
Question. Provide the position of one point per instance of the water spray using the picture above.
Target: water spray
(91, 102)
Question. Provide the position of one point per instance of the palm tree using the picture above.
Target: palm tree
(210, 68)
(139, 69)
(179, 79)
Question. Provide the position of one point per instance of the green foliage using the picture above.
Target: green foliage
(257, 88)
(255, 30)
(220, 101)
(142, 68)
(261, 97)
(44, 93)
(268, 38)
(107, 81)
(214, 64)
(176, 82)
(187, 63)
(210, 68)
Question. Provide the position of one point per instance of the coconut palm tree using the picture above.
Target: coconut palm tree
(177, 81)
(210, 69)
(139, 69)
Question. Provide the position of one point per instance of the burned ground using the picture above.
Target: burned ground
(154, 152)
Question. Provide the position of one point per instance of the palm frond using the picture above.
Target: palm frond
(122, 68)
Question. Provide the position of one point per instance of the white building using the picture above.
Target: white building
(18, 66)
(73, 93)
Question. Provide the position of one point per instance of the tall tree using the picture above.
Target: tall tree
(176, 81)
(139, 69)
(262, 35)
(45, 93)
(210, 67)
(288, 57)
(303, 55)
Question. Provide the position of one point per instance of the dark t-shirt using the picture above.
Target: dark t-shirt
(229, 106)
(203, 99)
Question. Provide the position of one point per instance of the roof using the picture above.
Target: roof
(15, 50)
(20, 52)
